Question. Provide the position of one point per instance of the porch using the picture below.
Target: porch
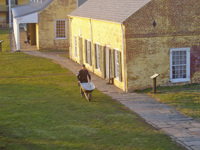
(24, 46)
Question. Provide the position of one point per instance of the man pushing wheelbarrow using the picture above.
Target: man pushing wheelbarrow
(86, 87)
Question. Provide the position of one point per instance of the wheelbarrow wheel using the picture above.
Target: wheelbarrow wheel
(88, 96)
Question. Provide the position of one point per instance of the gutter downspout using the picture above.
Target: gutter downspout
(70, 51)
(91, 44)
(123, 57)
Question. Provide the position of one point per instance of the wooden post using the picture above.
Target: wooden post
(154, 82)
(154, 85)
(1, 45)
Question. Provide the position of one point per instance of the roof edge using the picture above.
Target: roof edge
(97, 19)
(50, 1)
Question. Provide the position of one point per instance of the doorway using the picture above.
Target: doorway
(32, 28)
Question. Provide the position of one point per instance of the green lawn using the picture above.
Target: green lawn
(185, 98)
(4, 35)
(41, 109)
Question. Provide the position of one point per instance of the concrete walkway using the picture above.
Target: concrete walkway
(184, 130)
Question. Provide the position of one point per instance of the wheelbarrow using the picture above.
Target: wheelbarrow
(87, 89)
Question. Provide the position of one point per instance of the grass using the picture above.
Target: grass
(185, 98)
(4, 35)
(41, 109)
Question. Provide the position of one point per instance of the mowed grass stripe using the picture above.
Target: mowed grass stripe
(47, 112)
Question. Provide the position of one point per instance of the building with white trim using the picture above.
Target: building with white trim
(47, 22)
(128, 41)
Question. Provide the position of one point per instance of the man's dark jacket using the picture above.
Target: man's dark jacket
(82, 76)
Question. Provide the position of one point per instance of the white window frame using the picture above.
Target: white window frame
(97, 56)
(187, 79)
(116, 64)
(65, 29)
(75, 46)
(88, 51)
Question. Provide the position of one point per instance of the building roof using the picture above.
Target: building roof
(110, 10)
(32, 7)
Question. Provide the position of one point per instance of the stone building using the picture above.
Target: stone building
(47, 21)
(126, 42)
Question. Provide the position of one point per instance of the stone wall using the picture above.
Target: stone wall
(150, 34)
(58, 9)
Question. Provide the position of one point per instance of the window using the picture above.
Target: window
(61, 29)
(75, 46)
(117, 64)
(97, 56)
(12, 2)
(88, 52)
(180, 64)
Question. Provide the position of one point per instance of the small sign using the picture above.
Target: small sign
(154, 76)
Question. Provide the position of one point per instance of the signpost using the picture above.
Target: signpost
(1, 45)
(154, 82)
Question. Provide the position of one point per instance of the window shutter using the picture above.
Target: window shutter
(16, 2)
(103, 62)
(110, 63)
(120, 66)
(99, 55)
(80, 50)
(85, 51)
(113, 63)
(90, 53)
(95, 56)
(101, 59)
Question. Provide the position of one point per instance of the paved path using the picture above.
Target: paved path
(184, 130)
